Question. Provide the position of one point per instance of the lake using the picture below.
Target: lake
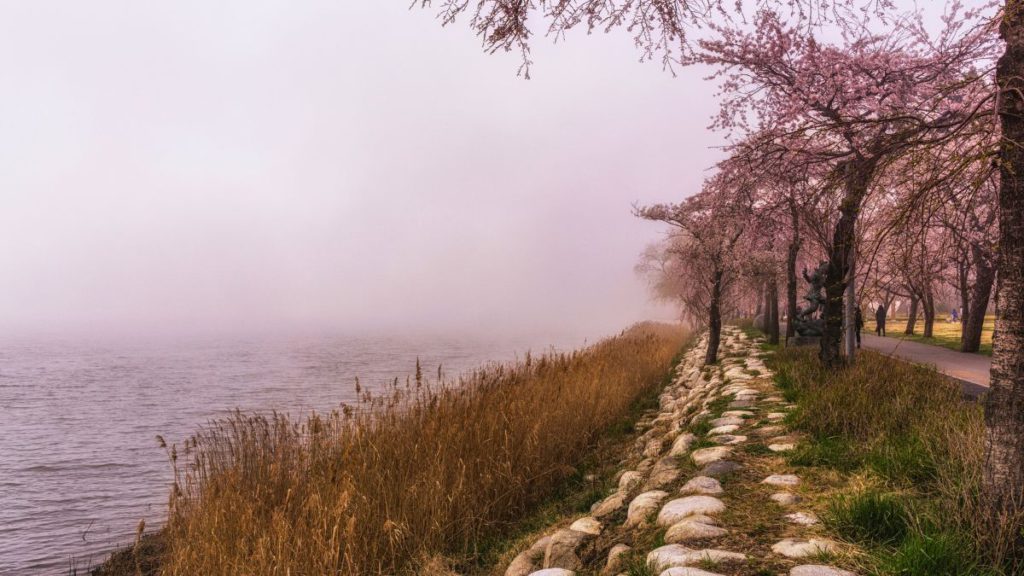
(79, 462)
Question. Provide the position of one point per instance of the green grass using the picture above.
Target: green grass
(916, 450)
(944, 333)
(831, 451)
(941, 554)
(869, 517)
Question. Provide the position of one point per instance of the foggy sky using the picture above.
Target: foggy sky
(337, 164)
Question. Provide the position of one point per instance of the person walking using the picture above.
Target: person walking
(858, 321)
(880, 320)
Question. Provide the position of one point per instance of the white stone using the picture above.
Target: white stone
(708, 455)
(614, 563)
(785, 498)
(692, 529)
(644, 506)
(768, 430)
(629, 480)
(673, 555)
(781, 480)
(727, 429)
(553, 572)
(737, 414)
(530, 559)
(818, 570)
(608, 505)
(728, 439)
(782, 447)
(682, 444)
(702, 485)
(687, 571)
(802, 518)
(677, 510)
(799, 548)
(773, 416)
(587, 525)
(731, 420)
(653, 448)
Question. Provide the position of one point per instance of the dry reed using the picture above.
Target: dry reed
(388, 486)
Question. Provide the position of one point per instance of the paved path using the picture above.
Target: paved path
(972, 370)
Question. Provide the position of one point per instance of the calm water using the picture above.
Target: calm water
(79, 465)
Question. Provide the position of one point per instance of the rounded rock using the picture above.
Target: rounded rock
(799, 548)
(702, 485)
(709, 455)
(677, 510)
(781, 480)
(643, 506)
(818, 570)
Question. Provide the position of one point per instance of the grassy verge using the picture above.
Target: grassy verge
(944, 333)
(911, 450)
(416, 481)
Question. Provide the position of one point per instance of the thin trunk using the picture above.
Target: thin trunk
(794, 251)
(850, 331)
(963, 272)
(928, 303)
(773, 310)
(714, 320)
(857, 176)
(766, 314)
(1004, 405)
(912, 317)
(974, 315)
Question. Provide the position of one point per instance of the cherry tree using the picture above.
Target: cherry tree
(857, 106)
(707, 229)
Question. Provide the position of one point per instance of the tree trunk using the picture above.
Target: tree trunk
(857, 176)
(714, 320)
(928, 303)
(912, 317)
(963, 274)
(1003, 481)
(974, 313)
(794, 251)
(773, 310)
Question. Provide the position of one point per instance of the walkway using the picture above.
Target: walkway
(971, 370)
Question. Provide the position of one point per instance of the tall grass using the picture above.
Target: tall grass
(908, 429)
(404, 478)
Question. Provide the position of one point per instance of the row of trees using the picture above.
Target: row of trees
(891, 154)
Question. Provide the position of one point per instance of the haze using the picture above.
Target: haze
(328, 164)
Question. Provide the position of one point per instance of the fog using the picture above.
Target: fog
(330, 165)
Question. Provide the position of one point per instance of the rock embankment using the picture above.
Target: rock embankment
(704, 491)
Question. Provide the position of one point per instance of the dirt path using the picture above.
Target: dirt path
(705, 490)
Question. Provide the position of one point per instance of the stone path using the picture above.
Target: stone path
(971, 370)
(689, 492)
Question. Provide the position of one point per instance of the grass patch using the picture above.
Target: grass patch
(830, 451)
(942, 554)
(899, 427)
(869, 517)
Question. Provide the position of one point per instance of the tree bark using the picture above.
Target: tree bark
(857, 176)
(974, 313)
(791, 256)
(1003, 481)
(963, 281)
(773, 310)
(912, 316)
(928, 304)
(714, 320)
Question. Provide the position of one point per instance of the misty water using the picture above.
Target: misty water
(79, 463)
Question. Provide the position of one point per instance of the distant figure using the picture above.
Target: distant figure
(858, 321)
(954, 316)
(880, 320)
